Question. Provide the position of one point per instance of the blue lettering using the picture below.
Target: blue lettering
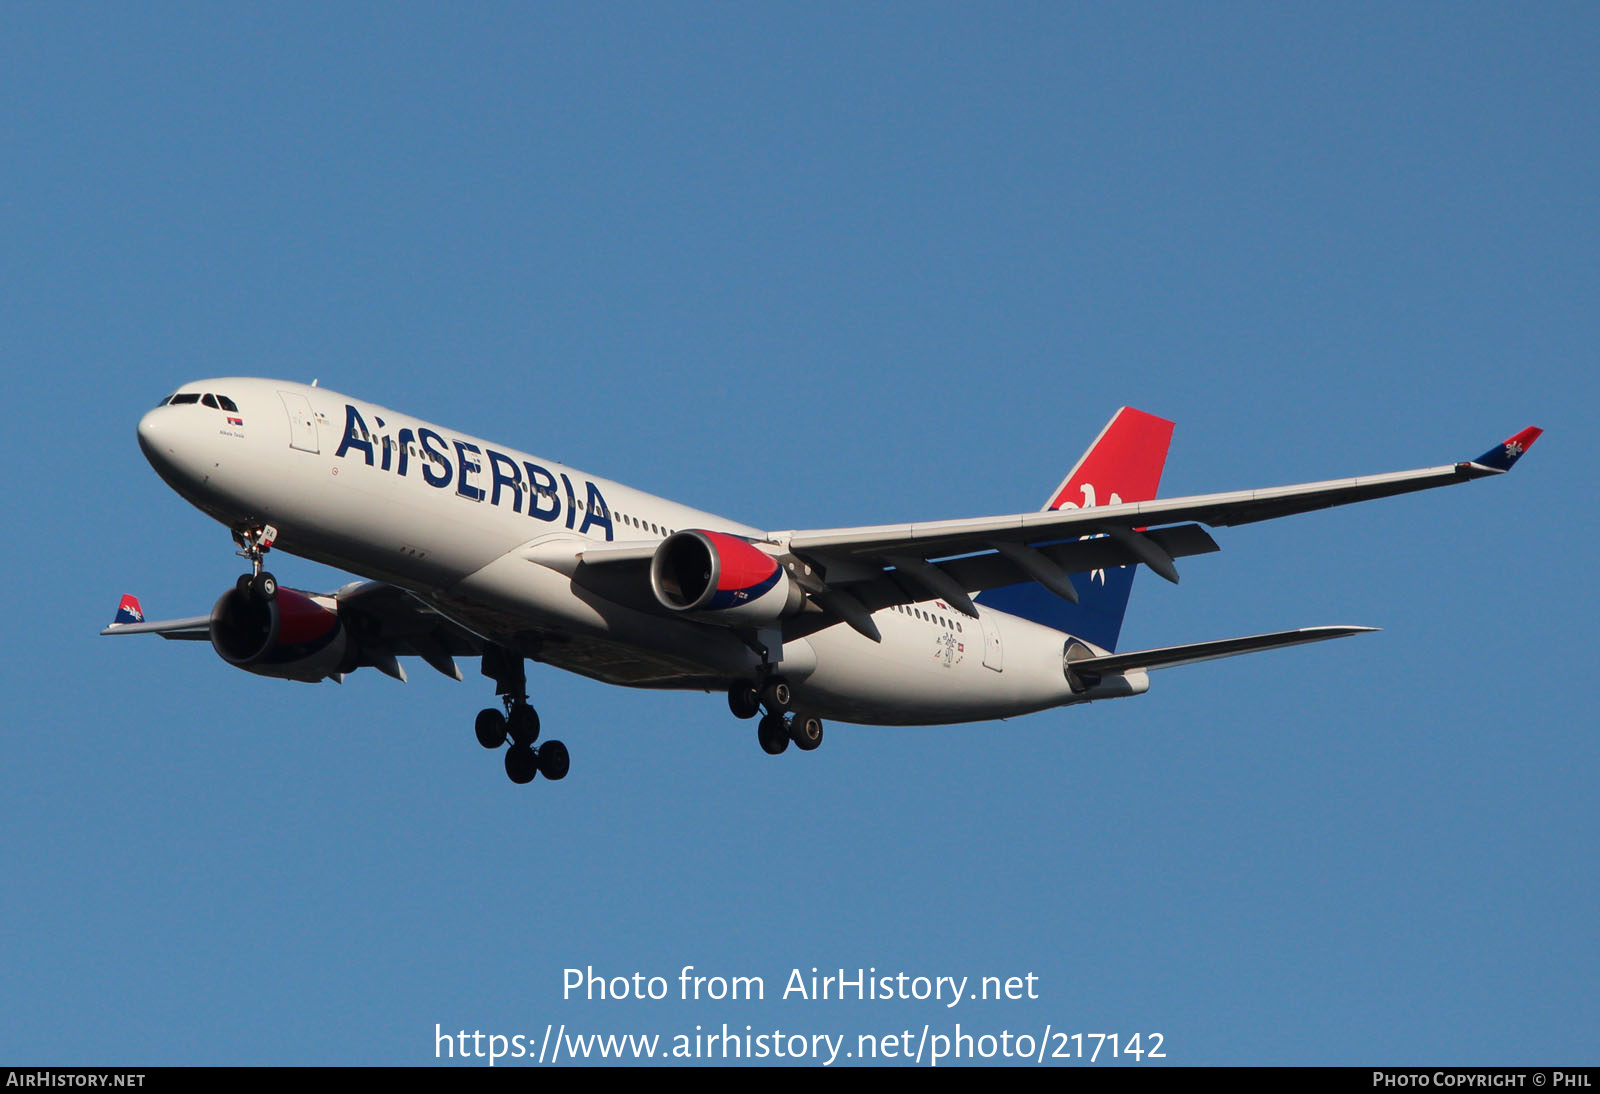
(406, 438)
(597, 513)
(436, 467)
(513, 480)
(541, 485)
(464, 488)
(355, 434)
(572, 504)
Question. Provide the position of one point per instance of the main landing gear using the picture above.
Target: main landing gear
(778, 726)
(256, 542)
(519, 724)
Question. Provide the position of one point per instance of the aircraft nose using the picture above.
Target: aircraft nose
(160, 435)
(152, 433)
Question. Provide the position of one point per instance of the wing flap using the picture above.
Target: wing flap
(976, 573)
(398, 623)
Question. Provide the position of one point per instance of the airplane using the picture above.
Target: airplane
(470, 548)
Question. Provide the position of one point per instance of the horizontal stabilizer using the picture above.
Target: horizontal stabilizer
(1090, 669)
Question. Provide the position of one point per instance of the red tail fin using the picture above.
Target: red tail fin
(1123, 464)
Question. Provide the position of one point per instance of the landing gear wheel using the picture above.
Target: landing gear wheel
(244, 584)
(522, 764)
(491, 728)
(523, 724)
(265, 585)
(553, 760)
(777, 696)
(743, 701)
(773, 734)
(806, 730)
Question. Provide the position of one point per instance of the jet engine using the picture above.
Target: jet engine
(293, 636)
(722, 578)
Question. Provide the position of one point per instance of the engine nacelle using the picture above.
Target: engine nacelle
(292, 636)
(722, 578)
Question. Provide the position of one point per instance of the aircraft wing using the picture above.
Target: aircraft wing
(857, 570)
(386, 621)
(194, 629)
(397, 623)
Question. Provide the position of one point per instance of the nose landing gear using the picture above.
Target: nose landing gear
(256, 541)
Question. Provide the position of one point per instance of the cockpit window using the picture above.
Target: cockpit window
(211, 401)
(186, 397)
(227, 404)
(165, 399)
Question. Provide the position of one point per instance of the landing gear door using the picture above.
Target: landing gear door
(302, 425)
(993, 655)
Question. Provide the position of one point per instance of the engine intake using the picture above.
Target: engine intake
(293, 636)
(722, 577)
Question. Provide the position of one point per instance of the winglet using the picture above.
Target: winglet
(1503, 455)
(128, 611)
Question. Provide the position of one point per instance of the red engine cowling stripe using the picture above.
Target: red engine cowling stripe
(301, 619)
(741, 566)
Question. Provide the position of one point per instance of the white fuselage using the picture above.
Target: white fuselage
(489, 536)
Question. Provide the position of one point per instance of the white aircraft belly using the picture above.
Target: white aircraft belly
(914, 677)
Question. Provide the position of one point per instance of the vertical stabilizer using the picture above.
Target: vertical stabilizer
(1123, 465)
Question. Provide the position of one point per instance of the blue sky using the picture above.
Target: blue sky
(814, 266)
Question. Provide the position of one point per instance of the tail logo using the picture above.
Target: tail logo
(1128, 455)
(1088, 492)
